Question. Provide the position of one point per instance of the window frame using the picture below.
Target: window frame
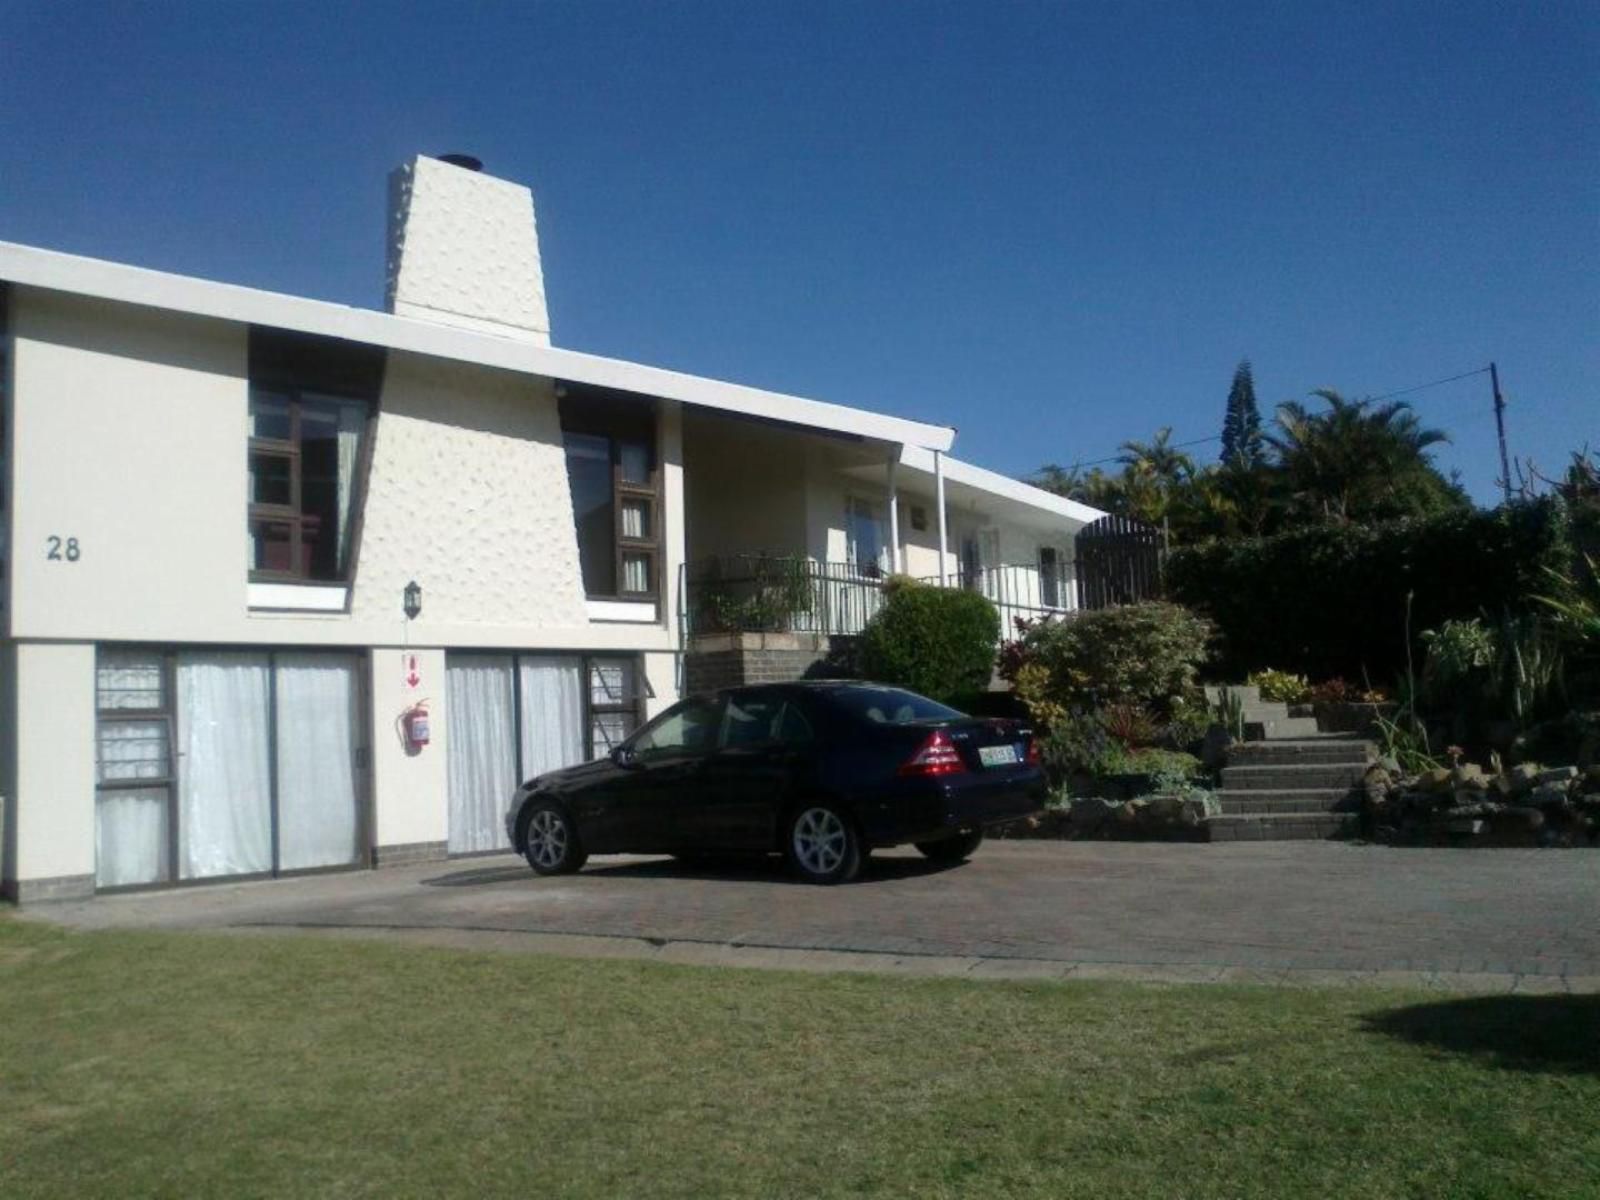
(362, 752)
(621, 421)
(291, 451)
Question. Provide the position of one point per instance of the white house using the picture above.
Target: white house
(251, 537)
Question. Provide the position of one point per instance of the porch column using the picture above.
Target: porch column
(894, 514)
(944, 533)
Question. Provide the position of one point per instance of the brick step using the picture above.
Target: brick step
(1282, 827)
(1275, 777)
(1287, 752)
(1288, 800)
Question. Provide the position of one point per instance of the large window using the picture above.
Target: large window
(216, 763)
(864, 537)
(616, 497)
(312, 401)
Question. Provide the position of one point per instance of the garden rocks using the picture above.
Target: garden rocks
(1530, 805)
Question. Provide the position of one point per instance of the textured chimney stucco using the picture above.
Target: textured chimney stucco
(464, 251)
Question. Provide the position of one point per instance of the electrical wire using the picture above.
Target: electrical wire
(1406, 391)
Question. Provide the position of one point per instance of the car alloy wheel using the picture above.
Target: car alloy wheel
(550, 844)
(823, 847)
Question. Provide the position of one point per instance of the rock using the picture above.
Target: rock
(1090, 813)
(1164, 808)
(1591, 777)
(1477, 807)
(1390, 764)
(1472, 827)
(1548, 795)
(1523, 778)
(1129, 813)
(1556, 775)
(1520, 817)
(1590, 801)
(1436, 780)
(1471, 776)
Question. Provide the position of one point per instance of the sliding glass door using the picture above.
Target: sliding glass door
(512, 717)
(217, 763)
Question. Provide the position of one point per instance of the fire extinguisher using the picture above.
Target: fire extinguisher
(415, 722)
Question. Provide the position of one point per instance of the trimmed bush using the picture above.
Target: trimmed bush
(1330, 601)
(937, 641)
(1147, 655)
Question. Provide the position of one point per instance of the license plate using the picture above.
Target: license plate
(998, 756)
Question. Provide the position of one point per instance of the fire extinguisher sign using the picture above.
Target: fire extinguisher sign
(409, 673)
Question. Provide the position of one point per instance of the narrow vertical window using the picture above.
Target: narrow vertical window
(312, 402)
(616, 503)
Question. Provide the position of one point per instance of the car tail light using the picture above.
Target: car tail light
(936, 756)
(1034, 757)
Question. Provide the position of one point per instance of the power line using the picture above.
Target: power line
(1406, 391)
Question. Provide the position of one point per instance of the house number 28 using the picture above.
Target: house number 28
(59, 549)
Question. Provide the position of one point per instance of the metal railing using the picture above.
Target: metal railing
(763, 593)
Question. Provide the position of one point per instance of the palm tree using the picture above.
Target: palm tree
(1169, 466)
(1359, 460)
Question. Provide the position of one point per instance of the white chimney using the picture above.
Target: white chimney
(464, 250)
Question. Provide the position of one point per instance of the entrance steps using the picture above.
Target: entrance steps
(1287, 779)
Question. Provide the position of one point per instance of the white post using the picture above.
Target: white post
(894, 514)
(944, 533)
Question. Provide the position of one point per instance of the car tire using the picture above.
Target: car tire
(821, 844)
(952, 849)
(550, 841)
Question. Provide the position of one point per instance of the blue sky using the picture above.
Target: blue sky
(1055, 226)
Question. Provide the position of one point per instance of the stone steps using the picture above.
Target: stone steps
(1282, 726)
(1341, 776)
(1300, 752)
(1287, 800)
(1275, 827)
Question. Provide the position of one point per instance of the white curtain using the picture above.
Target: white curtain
(225, 793)
(482, 750)
(352, 423)
(130, 836)
(317, 797)
(552, 714)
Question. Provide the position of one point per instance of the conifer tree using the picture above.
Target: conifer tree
(1241, 427)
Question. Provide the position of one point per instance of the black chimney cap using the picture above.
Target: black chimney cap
(465, 161)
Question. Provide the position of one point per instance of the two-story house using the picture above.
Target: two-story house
(250, 538)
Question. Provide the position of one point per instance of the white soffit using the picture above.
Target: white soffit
(956, 471)
(51, 269)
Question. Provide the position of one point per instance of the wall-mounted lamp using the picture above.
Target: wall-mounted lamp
(413, 600)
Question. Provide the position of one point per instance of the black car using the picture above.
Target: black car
(820, 772)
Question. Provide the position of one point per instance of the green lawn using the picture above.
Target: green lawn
(185, 1065)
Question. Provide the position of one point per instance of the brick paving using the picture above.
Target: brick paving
(1271, 912)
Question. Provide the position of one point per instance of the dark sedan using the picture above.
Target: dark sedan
(820, 772)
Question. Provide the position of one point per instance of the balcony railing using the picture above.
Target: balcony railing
(758, 593)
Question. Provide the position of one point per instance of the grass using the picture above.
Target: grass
(190, 1064)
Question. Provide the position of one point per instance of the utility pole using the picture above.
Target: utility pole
(1500, 424)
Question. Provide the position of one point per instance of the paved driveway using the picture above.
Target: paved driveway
(1291, 911)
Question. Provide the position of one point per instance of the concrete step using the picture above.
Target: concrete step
(1282, 827)
(1275, 777)
(1267, 802)
(1288, 752)
(1280, 727)
(1247, 695)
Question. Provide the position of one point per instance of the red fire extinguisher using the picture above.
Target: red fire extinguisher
(415, 722)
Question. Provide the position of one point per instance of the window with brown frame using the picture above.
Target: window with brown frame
(312, 404)
(614, 475)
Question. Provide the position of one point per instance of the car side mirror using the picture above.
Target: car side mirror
(623, 756)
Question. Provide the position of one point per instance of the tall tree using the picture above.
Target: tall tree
(1358, 460)
(1241, 425)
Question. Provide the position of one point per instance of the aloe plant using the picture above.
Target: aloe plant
(1575, 599)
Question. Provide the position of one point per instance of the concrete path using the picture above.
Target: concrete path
(1308, 913)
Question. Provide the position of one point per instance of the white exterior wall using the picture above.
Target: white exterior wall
(129, 434)
(50, 807)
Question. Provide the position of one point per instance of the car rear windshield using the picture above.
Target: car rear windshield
(891, 706)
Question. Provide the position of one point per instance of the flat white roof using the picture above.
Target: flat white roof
(956, 471)
(94, 277)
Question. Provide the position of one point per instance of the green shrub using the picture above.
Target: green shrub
(1330, 600)
(1140, 654)
(937, 641)
(1079, 744)
(1281, 687)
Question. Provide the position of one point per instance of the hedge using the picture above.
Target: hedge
(1330, 601)
(936, 641)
